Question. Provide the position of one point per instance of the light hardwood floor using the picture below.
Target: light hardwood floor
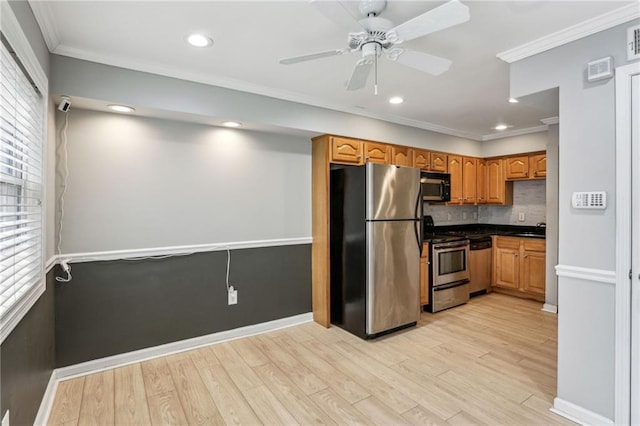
(491, 361)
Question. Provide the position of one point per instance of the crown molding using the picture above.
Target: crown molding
(551, 120)
(44, 16)
(243, 86)
(572, 33)
(517, 132)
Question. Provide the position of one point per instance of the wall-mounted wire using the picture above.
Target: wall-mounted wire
(65, 178)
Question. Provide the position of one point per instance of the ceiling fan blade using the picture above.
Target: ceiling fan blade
(312, 56)
(360, 74)
(445, 16)
(336, 12)
(421, 61)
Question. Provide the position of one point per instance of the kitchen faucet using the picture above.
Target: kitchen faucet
(541, 225)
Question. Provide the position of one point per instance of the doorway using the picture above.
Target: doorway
(627, 320)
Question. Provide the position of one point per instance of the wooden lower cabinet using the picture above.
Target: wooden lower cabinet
(424, 276)
(519, 266)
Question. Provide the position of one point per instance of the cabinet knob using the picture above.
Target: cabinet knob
(526, 173)
(516, 254)
(535, 173)
(358, 156)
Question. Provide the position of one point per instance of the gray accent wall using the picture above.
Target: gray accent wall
(27, 360)
(114, 307)
(586, 239)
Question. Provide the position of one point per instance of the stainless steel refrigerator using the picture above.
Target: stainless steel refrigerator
(376, 239)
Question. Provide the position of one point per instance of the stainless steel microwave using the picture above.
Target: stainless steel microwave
(435, 186)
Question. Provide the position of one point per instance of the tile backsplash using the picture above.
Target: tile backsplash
(529, 197)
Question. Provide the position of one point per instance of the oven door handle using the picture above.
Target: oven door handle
(448, 247)
(450, 285)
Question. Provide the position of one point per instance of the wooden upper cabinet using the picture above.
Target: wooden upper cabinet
(455, 169)
(499, 191)
(346, 151)
(538, 166)
(517, 167)
(375, 152)
(438, 162)
(421, 159)
(469, 170)
(431, 161)
(481, 181)
(401, 156)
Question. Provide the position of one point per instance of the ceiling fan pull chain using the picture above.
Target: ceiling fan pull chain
(375, 84)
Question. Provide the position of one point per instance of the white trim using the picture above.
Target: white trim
(19, 42)
(599, 275)
(21, 309)
(178, 250)
(51, 262)
(127, 358)
(12, 30)
(622, 388)
(47, 23)
(551, 120)
(578, 414)
(575, 32)
(517, 132)
(47, 400)
(548, 307)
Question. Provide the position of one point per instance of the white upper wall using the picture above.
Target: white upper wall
(515, 145)
(139, 183)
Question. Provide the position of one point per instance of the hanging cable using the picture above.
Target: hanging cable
(375, 62)
(65, 176)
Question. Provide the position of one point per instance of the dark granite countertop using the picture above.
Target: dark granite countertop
(490, 229)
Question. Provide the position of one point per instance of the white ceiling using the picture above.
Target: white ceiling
(251, 37)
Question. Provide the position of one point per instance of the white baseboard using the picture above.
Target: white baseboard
(47, 400)
(577, 414)
(548, 307)
(120, 360)
(97, 365)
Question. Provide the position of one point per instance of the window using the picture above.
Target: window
(21, 183)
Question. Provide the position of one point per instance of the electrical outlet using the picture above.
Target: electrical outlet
(448, 216)
(5, 419)
(464, 215)
(233, 296)
(521, 217)
(475, 215)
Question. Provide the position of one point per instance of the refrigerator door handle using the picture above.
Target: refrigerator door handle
(418, 224)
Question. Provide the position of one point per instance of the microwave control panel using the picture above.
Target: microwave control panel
(589, 200)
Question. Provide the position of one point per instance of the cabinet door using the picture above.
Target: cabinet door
(424, 276)
(507, 262)
(538, 166)
(533, 272)
(455, 169)
(468, 180)
(517, 167)
(438, 162)
(481, 181)
(401, 156)
(421, 159)
(377, 153)
(346, 151)
(495, 182)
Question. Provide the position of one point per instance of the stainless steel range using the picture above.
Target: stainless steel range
(449, 269)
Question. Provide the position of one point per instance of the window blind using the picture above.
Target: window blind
(21, 169)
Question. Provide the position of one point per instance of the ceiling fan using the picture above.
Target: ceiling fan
(379, 35)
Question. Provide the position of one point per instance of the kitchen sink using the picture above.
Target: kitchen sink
(529, 234)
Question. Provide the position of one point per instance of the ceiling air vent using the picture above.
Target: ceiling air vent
(633, 43)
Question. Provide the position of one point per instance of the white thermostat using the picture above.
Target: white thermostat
(589, 200)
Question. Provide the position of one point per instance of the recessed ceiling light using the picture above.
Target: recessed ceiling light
(199, 40)
(396, 100)
(501, 127)
(231, 124)
(120, 108)
(513, 101)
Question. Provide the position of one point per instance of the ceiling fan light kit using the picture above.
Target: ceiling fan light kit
(380, 36)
